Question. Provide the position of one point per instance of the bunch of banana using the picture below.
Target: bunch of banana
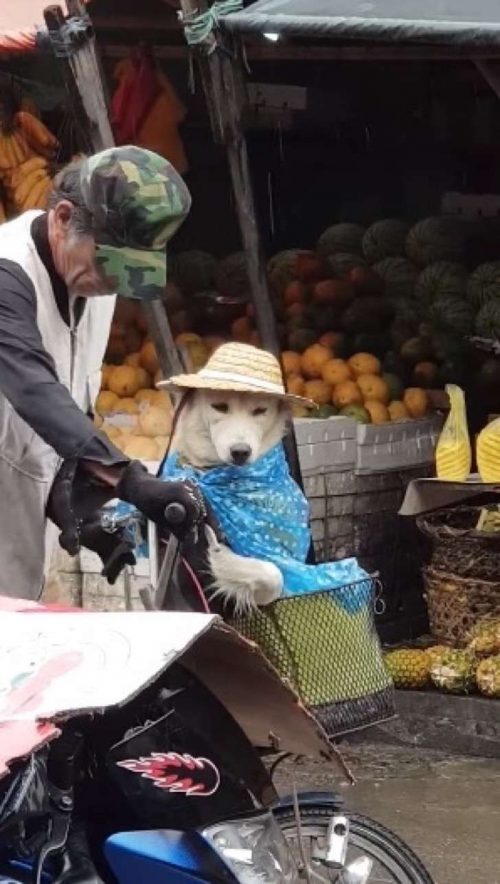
(38, 137)
(29, 184)
(14, 149)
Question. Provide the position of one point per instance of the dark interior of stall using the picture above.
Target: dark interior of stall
(350, 141)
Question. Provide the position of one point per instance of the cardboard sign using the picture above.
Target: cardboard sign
(58, 663)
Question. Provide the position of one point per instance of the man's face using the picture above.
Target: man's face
(74, 255)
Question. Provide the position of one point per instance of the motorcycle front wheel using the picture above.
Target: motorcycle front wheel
(393, 861)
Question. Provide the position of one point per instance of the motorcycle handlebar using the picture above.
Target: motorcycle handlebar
(175, 513)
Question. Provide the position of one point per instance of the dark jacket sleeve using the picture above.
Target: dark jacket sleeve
(28, 377)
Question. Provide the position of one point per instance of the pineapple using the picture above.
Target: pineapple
(435, 653)
(455, 672)
(485, 638)
(408, 668)
(488, 676)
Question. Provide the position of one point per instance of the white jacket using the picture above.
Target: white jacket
(27, 464)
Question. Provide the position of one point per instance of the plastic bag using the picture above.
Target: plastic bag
(453, 452)
(488, 452)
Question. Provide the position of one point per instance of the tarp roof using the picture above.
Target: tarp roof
(20, 21)
(461, 22)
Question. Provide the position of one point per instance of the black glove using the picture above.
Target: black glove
(74, 498)
(152, 496)
(115, 549)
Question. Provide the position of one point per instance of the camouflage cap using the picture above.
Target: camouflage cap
(137, 201)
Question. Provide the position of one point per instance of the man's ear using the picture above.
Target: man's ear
(62, 214)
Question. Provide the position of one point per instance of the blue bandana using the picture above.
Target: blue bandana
(264, 514)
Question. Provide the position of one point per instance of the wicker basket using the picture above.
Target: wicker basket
(456, 604)
(457, 547)
(324, 644)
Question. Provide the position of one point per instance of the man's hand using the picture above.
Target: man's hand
(115, 549)
(152, 496)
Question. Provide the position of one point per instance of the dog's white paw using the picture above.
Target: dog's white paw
(244, 581)
(269, 584)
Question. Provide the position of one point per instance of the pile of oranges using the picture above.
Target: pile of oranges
(346, 383)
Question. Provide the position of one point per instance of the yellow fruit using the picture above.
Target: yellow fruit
(127, 405)
(436, 653)
(318, 391)
(409, 668)
(105, 402)
(291, 362)
(313, 359)
(187, 338)
(488, 452)
(133, 359)
(155, 421)
(162, 445)
(416, 401)
(488, 676)
(336, 371)
(398, 410)
(143, 378)
(149, 358)
(141, 447)
(197, 354)
(374, 388)
(105, 373)
(377, 411)
(123, 381)
(147, 397)
(113, 433)
(347, 393)
(296, 385)
(364, 363)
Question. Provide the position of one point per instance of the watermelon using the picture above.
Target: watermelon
(385, 239)
(488, 321)
(395, 384)
(484, 284)
(343, 262)
(231, 276)
(281, 269)
(441, 279)
(399, 276)
(369, 314)
(194, 271)
(407, 310)
(435, 239)
(344, 237)
(452, 315)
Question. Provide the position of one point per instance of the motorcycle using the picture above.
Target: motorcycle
(159, 774)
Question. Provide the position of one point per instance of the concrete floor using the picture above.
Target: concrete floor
(446, 808)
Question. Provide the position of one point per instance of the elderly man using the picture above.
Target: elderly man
(105, 232)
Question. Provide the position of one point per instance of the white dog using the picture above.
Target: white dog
(219, 427)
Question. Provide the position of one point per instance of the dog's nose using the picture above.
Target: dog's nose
(240, 453)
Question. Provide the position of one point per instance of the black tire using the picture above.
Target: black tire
(366, 836)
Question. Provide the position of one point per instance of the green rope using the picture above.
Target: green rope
(199, 27)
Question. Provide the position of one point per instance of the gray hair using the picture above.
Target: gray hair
(67, 186)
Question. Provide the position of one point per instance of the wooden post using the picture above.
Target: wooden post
(223, 85)
(75, 49)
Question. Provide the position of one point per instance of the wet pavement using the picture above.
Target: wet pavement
(446, 807)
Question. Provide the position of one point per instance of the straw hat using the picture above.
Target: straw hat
(238, 368)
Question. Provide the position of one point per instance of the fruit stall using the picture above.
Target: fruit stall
(358, 257)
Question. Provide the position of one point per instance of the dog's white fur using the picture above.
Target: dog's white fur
(211, 429)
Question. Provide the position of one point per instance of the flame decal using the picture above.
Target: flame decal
(176, 773)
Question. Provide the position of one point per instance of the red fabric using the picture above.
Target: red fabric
(19, 22)
(133, 99)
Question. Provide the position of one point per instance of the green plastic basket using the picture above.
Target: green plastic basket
(329, 651)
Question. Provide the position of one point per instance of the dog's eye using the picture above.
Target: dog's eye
(222, 407)
(258, 411)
